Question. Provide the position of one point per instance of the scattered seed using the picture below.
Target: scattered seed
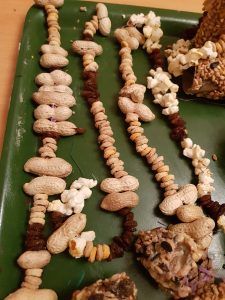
(83, 8)
(214, 157)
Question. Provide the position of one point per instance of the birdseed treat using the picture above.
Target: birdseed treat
(201, 59)
(117, 287)
(174, 261)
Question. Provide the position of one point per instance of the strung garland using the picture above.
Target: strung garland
(169, 101)
(121, 197)
(179, 201)
(55, 99)
(158, 248)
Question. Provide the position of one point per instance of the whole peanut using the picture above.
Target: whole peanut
(196, 229)
(60, 113)
(117, 201)
(113, 185)
(58, 241)
(48, 185)
(51, 167)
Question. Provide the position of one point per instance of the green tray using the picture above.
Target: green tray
(205, 123)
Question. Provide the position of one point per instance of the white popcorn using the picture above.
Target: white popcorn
(79, 243)
(187, 143)
(156, 35)
(152, 20)
(204, 189)
(147, 31)
(152, 32)
(205, 177)
(170, 110)
(209, 50)
(181, 58)
(137, 20)
(160, 82)
(77, 184)
(57, 205)
(89, 236)
(188, 153)
(75, 199)
(166, 100)
(72, 201)
(195, 152)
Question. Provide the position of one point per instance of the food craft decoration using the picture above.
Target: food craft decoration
(55, 99)
(201, 60)
(195, 233)
(177, 200)
(121, 197)
(172, 259)
(165, 94)
(117, 287)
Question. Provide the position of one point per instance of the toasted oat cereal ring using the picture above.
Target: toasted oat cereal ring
(141, 140)
(106, 251)
(145, 151)
(159, 158)
(120, 174)
(159, 176)
(173, 186)
(170, 193)
(151, 153)
(99, 253)
(135, 135)
(92, 256)
(130, 82)
(49, 140)
(167, 183)
(37, 220)
(34, 272)
(164, 168)
(152, 158)
(88, 248)
(106, 145)
(141, 148)
(38, 209)
(116, 169)
(108, 153)
(168, 178)
(29, 286)
(33, 280)
(158, 165)
(43, 202)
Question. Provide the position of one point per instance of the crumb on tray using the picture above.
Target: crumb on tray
(83, 8)
(214, 157)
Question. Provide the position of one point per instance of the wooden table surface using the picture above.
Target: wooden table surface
(12, 16)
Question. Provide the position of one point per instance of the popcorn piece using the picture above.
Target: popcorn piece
(181, 58)
(57, 205)
(204, 189)
(72, 201)
(187, 143)
(77, 184)
(137, 20)
(78, 244)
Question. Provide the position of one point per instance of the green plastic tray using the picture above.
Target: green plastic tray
(205, 123)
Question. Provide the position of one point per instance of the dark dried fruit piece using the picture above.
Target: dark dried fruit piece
(166, 246)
